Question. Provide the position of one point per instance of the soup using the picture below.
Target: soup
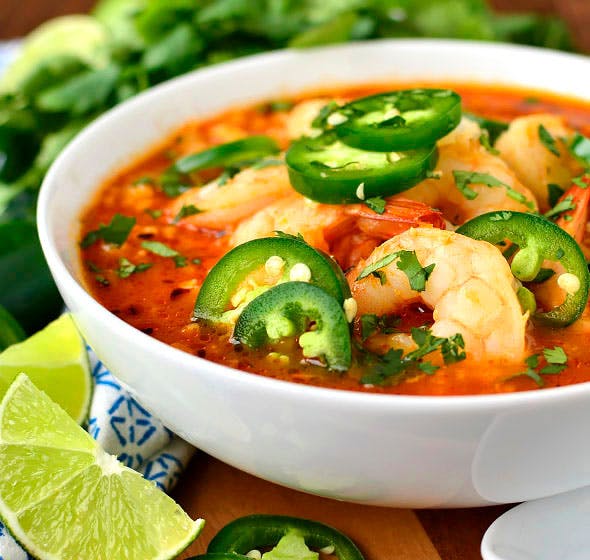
(432, 312)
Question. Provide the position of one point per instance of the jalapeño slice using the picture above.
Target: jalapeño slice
(398, 120)
(298, 309)
(538, 240)
(225, 278)
(327, 170)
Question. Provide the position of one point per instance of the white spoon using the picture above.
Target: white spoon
(555, 528)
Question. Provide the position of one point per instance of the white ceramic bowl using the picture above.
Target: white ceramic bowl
(376, 449)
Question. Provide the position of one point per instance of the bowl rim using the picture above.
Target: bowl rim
(250, 380)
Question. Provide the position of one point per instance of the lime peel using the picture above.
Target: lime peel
(62, 496)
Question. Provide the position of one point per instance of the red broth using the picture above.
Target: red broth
(160, 300)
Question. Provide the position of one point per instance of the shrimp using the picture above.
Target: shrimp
(471, 291)
(302, 115)
(461, 150)
(347, 231)
(534, 164)
(240, 197)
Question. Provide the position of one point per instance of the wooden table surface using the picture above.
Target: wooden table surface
(220, 493)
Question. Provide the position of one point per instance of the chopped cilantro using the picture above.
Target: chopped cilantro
(555, 355)
(579, 182)
(555, 192)
(548, 140)
(144, 181)
(277, 106)
(376, 203)
(393, 365)
(116, 232)
(556, 362)
(164, 251)
(381, 263)
(93, 267)
(127, 268)
(407, 263)
(484, 140)
(417, 275)
(564, 205)
(185, 211)
(196, 261)
(285, 235)
(371, 323)
(465, 178)
(579, 147)
(102, 280)
(155, 214)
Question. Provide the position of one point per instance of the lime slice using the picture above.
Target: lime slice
(64, 497)
(56, 360)
(78, 35)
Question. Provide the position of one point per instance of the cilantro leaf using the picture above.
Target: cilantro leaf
(371, 323)
(548, 140)
(164, 251)
(555, 355)
(155, 214)
(428, 368)
(562, 206)
(417, 276)
(127, 268)
(116, 232)
(388, 259)
(376, 203)
(580, 149)
(185, 211)
(465, 178)
(555, 192)
(484, 140)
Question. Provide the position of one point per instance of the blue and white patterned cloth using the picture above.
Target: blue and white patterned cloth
(125, 429)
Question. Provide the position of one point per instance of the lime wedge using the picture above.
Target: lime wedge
(77, 35)
(56, 360)
(63, 497)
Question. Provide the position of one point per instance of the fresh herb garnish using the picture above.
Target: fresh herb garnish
(548, 141)
(127, 268)
(562, 206)
(484, 140)
(285, 235)
(465, 178)
(144, 181)
(579, 182)
(196, 261)
(555, 192)
(579, 147)
(371, 323)
(393, 365)
(556, 359)
(102, 280)
(93, 267)
(116, 232)
(164, 251)
(185, 211)
(277, 106)
(407, 263)
(155, 214)
(376, 203)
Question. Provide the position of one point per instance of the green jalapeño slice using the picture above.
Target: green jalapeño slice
(327, 170)
(538, 240)
(398, 120)
(298, 309)
(231, 284)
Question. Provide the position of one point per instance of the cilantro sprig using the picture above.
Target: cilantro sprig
(127, 268)
(548, 141)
